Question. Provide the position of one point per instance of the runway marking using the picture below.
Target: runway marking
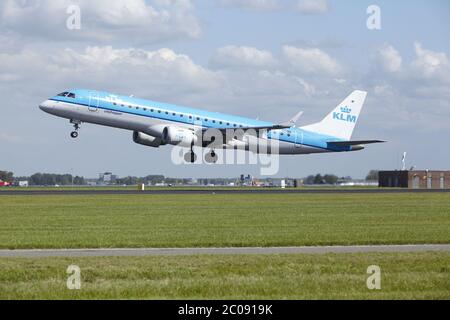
(136, 252)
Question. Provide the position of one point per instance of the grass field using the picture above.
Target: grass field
(343, 276)
(79, 221)
(222, 220)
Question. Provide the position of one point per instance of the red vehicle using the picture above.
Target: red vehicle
(4, 184)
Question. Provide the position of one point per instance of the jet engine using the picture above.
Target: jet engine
(179, 136)
(146, 140)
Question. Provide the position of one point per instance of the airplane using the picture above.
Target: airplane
(156, 124)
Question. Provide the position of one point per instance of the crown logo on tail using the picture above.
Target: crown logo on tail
(346, 110)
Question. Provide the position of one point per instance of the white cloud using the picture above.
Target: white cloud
(161, 74)
(234, 56)
(313, 6)
(415, 93)
(102, 20)
(259, 5)
(431, 64)
(390, 59)
(311, 61)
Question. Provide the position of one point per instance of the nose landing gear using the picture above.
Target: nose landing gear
(76, 125)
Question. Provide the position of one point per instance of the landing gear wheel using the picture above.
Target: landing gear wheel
(190, 157)
(211, 157)
(76, 126)
(74, 134)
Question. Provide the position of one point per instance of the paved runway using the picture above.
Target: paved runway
(217, 251)
(6, 192)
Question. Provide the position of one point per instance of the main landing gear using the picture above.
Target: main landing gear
(190, 157)
(211, 157)
(76, 126)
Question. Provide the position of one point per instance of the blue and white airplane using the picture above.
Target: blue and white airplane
(156, 124)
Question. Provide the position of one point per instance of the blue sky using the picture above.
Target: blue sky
(256, 58)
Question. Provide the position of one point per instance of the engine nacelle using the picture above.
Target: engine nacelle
(146, 140)
(179, 136)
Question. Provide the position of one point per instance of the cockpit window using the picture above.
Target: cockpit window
(67, 94)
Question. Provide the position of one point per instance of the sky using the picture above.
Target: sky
(265, 59)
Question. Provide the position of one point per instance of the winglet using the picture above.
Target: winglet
(293, 121)
(296, 117)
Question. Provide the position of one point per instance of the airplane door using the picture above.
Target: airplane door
(94, 101)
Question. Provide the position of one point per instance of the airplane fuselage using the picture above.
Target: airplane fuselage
(151, 118)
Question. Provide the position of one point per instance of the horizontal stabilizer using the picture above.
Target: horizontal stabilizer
(353, 143)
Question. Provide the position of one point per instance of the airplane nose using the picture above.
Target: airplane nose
(46, 106)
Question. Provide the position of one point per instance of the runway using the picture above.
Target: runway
(139, 252)
(175, 191)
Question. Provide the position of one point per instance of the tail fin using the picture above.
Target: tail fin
(341, 122)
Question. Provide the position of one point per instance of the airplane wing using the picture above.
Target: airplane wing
(260, 130)
(284, 125)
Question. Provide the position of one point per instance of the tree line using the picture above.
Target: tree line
(44, 179)
(6, 176)
(51, 179)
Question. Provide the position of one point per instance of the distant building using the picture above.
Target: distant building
(415, 179)
(107, 178)
(23, 184)
(246, 180)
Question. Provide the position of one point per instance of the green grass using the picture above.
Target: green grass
(222, 220)
(342, 276)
